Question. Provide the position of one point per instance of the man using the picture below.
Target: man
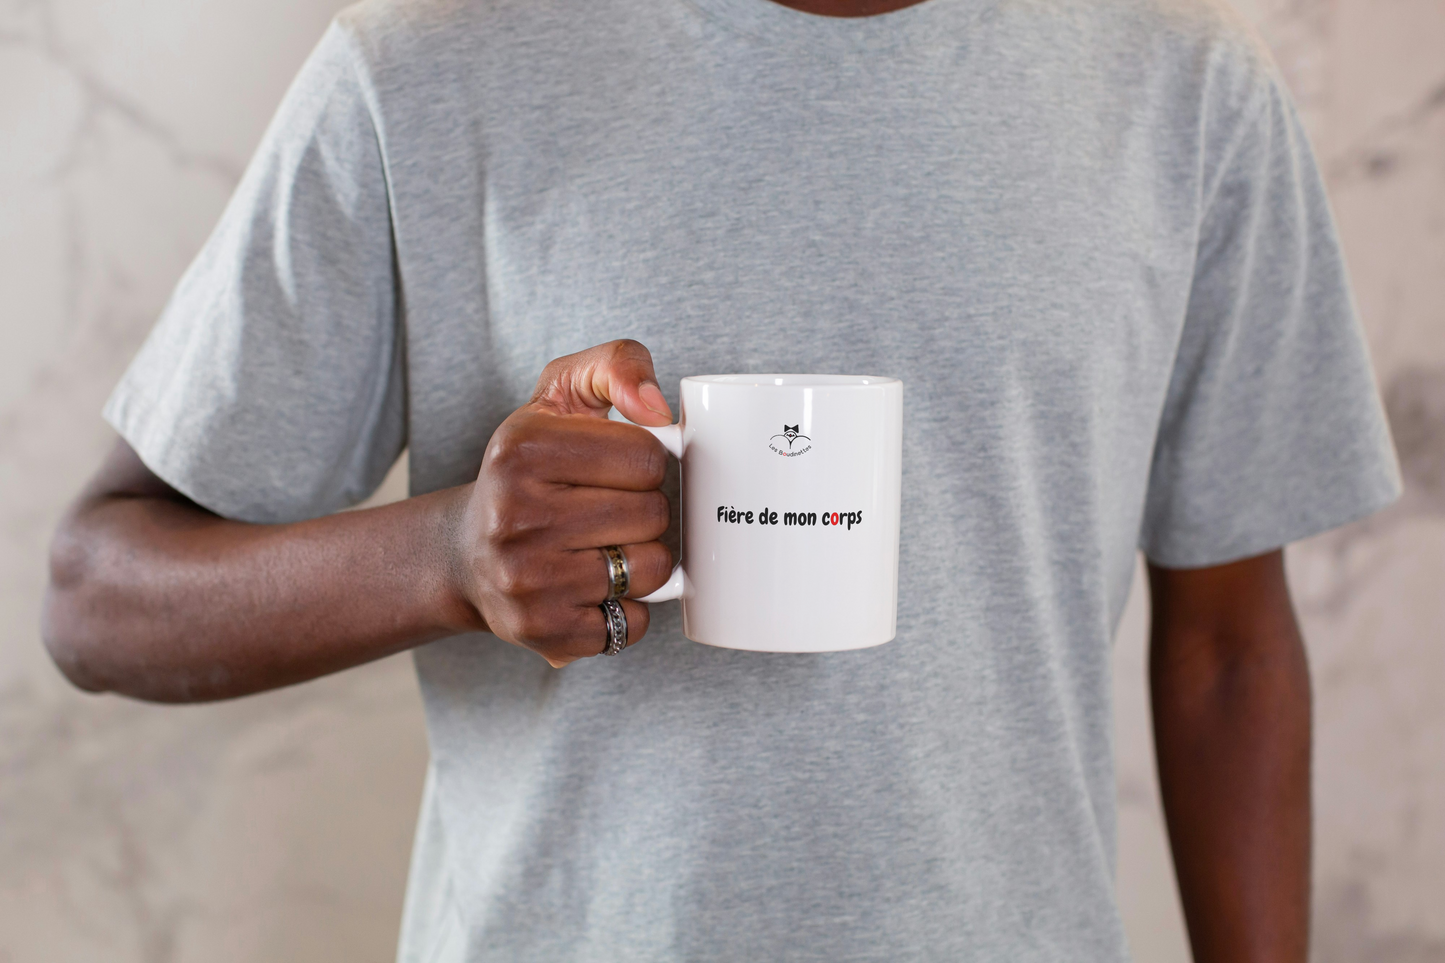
(1090, 239)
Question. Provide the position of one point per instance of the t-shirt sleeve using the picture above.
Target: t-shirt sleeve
(1272, 428)
(272, 387)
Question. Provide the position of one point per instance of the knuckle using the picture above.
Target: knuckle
(508, 576)
(657, 563)
(503, 527)
(628, 349)
(521, 446)
(512, 518)
(660, 510)
(646, 461)
(506, 451)
(516, 451)
(654, 463)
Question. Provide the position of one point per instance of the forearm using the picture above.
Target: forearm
(1232, 731)
(153, 596)
(158, 599)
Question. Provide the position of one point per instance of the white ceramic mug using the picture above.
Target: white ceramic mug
(790, 500)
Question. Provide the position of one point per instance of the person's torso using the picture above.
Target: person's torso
(996, 203)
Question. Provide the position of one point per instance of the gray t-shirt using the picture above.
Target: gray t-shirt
(1088, 236)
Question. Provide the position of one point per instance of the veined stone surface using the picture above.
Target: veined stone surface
(277, 827)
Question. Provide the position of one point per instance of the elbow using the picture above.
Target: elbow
(66, 625)
(100, 633)
(71, 660)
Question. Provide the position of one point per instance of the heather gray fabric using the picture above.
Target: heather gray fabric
(1089, 237)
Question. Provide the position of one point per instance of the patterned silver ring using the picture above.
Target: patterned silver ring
(616, 620)
(619, 576)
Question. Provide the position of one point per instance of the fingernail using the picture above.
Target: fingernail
(651, 396)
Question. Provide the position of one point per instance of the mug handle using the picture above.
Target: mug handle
(677, 585)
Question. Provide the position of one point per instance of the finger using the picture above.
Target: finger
(649, 566)
(618, 373)
(579, 451)
(590, 637)
(579, 578)
(590, 517)
(638, 619)
(584, 518)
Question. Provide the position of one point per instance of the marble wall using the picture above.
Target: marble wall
(277, 828)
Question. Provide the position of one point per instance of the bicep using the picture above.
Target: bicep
(122, 474)
(1225, 612)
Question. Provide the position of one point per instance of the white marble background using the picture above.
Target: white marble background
(277, 828)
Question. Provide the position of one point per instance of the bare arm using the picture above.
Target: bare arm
(1231, 699)
(155, 597)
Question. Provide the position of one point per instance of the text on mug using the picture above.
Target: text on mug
(731, 516)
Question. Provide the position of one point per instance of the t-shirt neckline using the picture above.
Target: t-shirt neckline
(771, 22)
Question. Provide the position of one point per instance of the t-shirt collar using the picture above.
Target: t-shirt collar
(771, 22)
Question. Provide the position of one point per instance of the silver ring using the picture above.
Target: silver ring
(616, 620)
(619, 577)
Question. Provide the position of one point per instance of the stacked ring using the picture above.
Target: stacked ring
(618, 575)
(616, 620)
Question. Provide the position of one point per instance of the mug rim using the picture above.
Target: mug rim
(792, 380)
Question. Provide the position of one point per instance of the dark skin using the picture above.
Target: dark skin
(848, 8)
(1230, 690)
(155, 597)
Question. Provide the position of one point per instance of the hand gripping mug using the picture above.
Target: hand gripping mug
(790, 501)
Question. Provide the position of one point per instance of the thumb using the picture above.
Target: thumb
(618, 373)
